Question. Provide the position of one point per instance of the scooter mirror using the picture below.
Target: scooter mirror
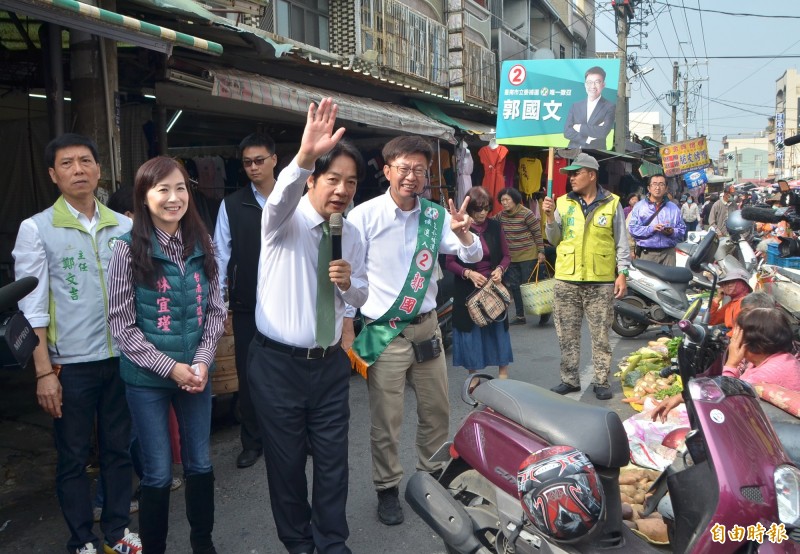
(705, 252)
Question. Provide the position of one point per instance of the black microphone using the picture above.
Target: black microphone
(791, 141)
(336, 223)
(764, 215)
(11, 293)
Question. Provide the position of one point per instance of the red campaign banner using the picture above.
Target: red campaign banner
(682, 157)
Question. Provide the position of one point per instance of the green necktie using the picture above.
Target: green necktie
(325, 311)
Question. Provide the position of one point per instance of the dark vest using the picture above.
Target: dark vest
(168, 315)
(244, 218)
(462, 288)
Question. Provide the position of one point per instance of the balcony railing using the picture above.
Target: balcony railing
(480, 69)
(405, 40)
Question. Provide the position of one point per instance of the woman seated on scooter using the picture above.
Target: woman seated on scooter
(734, 286)
(761, 351)
(763, 338)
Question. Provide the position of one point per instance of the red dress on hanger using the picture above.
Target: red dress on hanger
(494, 161)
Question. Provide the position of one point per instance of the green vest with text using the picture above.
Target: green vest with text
(587, 251)
(171, 316)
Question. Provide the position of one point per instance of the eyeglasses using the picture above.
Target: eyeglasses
(403, 170)
(479, 209)
(596, 83)
(247, 162)
(658, 185)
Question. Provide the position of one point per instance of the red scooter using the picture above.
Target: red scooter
(530, 471)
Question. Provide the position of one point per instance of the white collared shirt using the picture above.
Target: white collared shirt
(287, 276)
(28, 243)
(590, 106)
(390, 235)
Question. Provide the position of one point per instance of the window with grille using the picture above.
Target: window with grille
(305, 21)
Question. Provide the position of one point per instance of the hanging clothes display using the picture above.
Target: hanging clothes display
(493, 161)
(464, 167)
(559, 179)
(530, 175)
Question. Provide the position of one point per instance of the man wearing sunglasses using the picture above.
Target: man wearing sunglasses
(238, 246)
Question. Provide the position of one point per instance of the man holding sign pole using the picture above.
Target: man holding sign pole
(587, 226)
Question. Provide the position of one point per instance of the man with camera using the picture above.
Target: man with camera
(656, 224)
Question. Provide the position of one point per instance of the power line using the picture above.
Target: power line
(736, 14)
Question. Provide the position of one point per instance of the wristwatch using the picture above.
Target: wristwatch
(624, 271)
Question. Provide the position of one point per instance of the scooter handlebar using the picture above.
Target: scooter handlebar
(667, 371)
(694, 332)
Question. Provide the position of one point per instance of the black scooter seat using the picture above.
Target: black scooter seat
(665, 273)
(594, 430)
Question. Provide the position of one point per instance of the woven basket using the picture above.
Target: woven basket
(537, 295)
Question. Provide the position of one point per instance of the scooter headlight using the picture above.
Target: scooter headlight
(705, 390)
(787, 493)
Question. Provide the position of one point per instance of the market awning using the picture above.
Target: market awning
(221, 28)
(296, 97)
(648, 168)
(435, 112)
(109, 24)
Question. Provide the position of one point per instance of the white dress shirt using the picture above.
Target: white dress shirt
(30, 259)
(222, 238)
(390, 235)
(287, 278)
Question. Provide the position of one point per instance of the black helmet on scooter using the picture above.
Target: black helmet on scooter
(561, 493)
(737, 224)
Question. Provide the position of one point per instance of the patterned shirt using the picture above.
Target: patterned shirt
(523, 233)
(122, 309)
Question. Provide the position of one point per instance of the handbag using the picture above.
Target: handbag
(537, 296)
(488, 304)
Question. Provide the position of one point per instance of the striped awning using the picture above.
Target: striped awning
(109, 24)
(296, 97)
(434, 111)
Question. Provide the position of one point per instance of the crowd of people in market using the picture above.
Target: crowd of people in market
(131, 304)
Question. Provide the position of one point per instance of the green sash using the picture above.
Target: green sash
(376, 336)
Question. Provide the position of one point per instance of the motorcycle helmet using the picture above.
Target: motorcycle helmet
(560, 493)
(737, 224)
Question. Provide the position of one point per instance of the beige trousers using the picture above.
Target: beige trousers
(387, 379)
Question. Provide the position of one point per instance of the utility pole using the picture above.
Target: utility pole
(674, 103)
(686, 104)
(623, 10)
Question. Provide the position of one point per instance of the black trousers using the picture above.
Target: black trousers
(244, 329)
(297, 399)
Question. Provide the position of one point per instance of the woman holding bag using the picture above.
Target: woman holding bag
(166, 314)
(476, 347)
(523, 232)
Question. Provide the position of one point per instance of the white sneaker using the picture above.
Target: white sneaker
(128, 544)
(88, 549)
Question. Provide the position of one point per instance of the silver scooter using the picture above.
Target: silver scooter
(656, 295)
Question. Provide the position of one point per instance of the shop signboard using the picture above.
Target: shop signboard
(685, 156)
(559, 103)
(695, 179)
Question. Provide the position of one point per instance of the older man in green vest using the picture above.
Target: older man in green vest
(587, 225)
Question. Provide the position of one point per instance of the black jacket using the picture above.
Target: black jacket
(244, 218)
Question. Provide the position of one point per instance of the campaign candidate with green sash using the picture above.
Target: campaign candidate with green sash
(403, 235)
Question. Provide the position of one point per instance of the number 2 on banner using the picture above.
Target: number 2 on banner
(516, 75)
(424, 260)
